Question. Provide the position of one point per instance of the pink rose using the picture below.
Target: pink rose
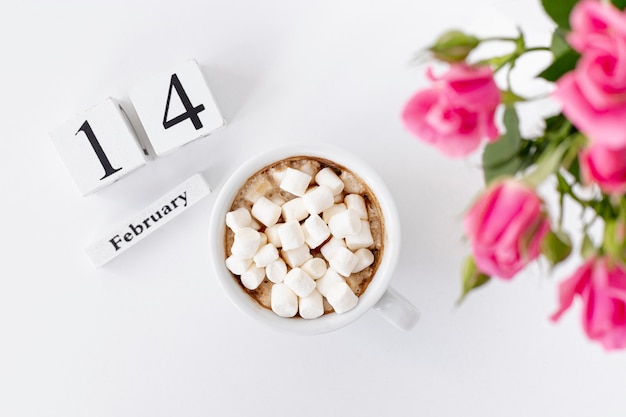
(505, 228)
(601, 285)
(593, 95)
(457, 112)
(591, 21)
(605, 167)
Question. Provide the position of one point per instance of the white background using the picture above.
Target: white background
(152, 334)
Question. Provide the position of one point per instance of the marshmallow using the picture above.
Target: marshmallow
(300, 282)
(318, 199)
(237, 265)
(330, 278)
(356, 202)
(345, 223)
(294, 210)
(362, 239)
(309, 167)
(265, 211)
(277, 174)
(341, 297)
(246, 244)
(296, 257)
(276, 271)
(352, 185)
(330, 248)
(272, 235)
(343, 261)
(266, 255)
(291, 235)
(278, 200)
(366, 258)
(332, 210)
(315, 267)
(263, 240)
(338, 198)
(252, 278)
(255, 225)
(295, 182)
(259, 186)
(311, 306)
(238, 219)
(284, 302)
(316, 231)
(328, 178)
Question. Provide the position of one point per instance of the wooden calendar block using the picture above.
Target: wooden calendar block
(98, 146)
(149, 220)
(176, 107)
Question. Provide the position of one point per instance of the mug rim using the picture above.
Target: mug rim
(328, 322)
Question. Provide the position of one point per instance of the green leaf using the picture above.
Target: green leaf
(509, 98)
(497, 62)
(565, 58)
(562, 64)
(556, 247)
(501, 158)
(587, 249)
(562, 186)
(620, 4)
(454, 46)
(574, 169)
(505, 169)
(472, 277)
(603, 208)
(554, 122)
(547, 165)
(610, 244)
(559, 45)
(559, 11)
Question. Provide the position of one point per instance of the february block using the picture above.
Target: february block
(149, 220)
(176, 107)
(98, 146)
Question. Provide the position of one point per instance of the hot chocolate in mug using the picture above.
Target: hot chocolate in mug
(378, 295)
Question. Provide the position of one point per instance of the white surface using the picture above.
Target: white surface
(182, 91)
(151, 333)
(98, 146)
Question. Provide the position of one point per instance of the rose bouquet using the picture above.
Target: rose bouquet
(581, 152)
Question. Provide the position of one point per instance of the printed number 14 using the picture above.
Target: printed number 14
(190, 113)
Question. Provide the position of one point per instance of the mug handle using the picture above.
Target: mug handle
(397, 310)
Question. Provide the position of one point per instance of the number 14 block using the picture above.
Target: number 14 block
(99, 145)
(176, 107)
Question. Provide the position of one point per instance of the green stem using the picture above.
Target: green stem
(561, 209)
(577, 143)
(548, 164)
(569, 191)
(508, 75)
(501, 65)
(556, 156)
(496, 38)
(537, 48)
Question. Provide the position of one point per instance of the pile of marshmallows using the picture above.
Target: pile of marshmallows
(309, 220)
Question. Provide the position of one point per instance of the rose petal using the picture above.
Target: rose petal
(571, 287)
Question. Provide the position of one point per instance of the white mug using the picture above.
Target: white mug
(378, 295)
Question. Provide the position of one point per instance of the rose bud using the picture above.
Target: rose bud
(506, 227)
